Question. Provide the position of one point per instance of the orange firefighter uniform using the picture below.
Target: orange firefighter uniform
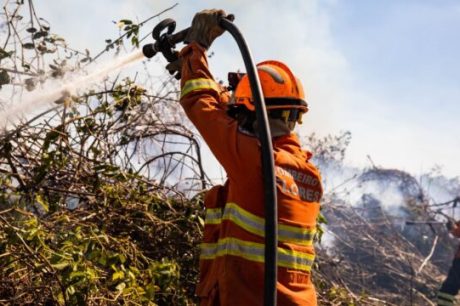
(232, 252)
(451, 285)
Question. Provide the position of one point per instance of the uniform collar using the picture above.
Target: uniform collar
(291, 144)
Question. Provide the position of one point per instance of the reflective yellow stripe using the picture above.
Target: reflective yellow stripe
(256, 225)
(213, 216)
(255, 252)
(198, 84)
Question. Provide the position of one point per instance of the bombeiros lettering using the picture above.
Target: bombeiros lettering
(287, 182)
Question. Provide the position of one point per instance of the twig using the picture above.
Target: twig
(425, 261)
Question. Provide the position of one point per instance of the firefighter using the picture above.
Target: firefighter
(451, 285)
(232, 251)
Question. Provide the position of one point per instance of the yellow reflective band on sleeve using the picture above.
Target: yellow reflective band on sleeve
(256, 225)
(255, 252)
(213, 216)
(198, 84)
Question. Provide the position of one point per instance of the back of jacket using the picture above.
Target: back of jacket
(232, 252)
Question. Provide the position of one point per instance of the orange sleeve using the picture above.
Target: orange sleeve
(205, 106)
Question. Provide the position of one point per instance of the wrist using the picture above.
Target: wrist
(192, 46)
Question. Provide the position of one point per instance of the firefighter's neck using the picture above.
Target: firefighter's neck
(278, 127)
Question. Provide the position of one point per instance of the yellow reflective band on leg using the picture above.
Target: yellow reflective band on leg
(232, 246)
(295, 260)
(256, 225)
(198, 84)
(255, 252)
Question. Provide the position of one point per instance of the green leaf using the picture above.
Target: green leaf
(102, 260)
(321, 219)
(118, 275)
(5, 54)
(150, 290)
(120, 286)
(42, 202)
(125, 21)
(135, 41)
(28, 46)
(4, 77)
(131, 275)
(77, 274)
(61, 299)
(40, 34)
(201, 221)
(61, 265)
(70, 290)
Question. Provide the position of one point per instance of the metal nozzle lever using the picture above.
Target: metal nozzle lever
(166, 42)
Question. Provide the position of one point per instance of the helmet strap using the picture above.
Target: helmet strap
(287, 115)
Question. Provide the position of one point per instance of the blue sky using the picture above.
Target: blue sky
(388, 71)
(405, 55)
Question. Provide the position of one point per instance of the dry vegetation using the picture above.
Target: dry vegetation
(382, 247)
(100, 198)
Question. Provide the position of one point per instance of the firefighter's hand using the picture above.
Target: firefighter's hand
(205, 27)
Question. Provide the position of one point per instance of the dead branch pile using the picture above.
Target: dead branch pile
(374, 253)
(100, 198)
(89, 211)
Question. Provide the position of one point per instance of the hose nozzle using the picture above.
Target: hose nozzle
(149, 50)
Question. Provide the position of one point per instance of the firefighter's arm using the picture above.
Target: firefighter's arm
(204, 102)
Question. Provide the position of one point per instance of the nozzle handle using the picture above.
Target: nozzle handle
(165, 42)
(180, 36)
(168, 23)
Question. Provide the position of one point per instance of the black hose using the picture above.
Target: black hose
(268, 173)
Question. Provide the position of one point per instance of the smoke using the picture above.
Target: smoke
(59, 91)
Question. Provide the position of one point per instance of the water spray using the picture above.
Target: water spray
(61, 94)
